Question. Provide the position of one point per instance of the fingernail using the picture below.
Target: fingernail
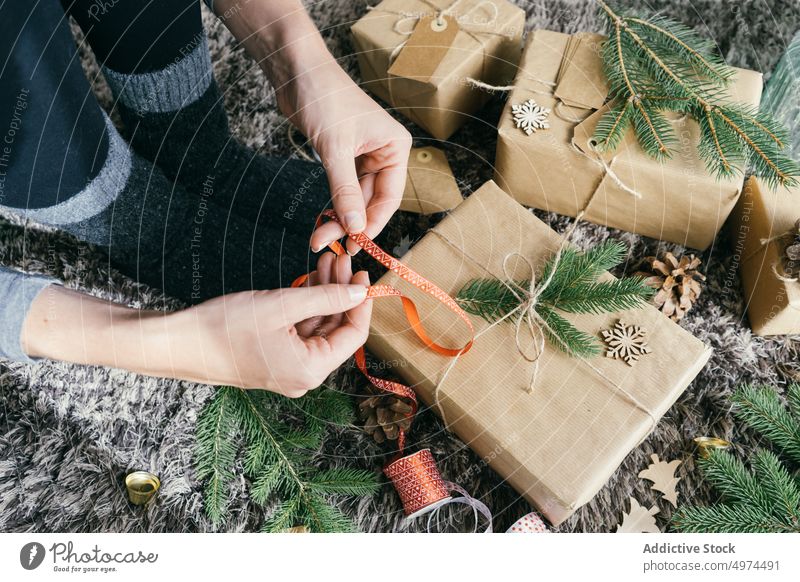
(353, 253)
(357, 292)
(318, 248)
(354, 221)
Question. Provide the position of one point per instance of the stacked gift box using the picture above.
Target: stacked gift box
(558, 443)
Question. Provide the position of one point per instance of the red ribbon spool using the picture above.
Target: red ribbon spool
(417, 481)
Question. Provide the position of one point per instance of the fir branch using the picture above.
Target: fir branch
(573, 288)
(731, 478)
(320, 516)
(269, 480)
(490, 299)
(612, 126)
(652, 130)
(283, 517)
(577, 267)
(278, 457)
(760, 408)
(601, 297)
(215, 452)
(767, 500)
(565, 336)
(346, 481)
(682, 39)
(780, 486)
(727, 519)
(656, 64)
(793, 396)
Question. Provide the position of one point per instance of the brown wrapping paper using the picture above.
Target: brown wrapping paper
(773, 306)
(681, 202)
(558, 445)
(439, 101)
(430, 184)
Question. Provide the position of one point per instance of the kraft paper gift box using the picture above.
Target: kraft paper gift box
(555, 169)
(430, 184)
(761, 216)
(560, 443)
(427, 82)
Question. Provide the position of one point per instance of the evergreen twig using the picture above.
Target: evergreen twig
(766, 499)
(655, 65)
(278, 456)
(573, 289)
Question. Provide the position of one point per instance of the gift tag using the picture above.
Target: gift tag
(425, 48)
(582, 82)
(430, 184)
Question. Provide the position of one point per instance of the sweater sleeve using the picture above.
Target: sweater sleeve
(17, 293)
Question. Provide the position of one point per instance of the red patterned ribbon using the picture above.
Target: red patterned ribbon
(415, 476)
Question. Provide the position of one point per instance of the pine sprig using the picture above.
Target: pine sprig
(573, 289)
(278, 456)
(216, 452)
(766, 499)
(761, 409)
(727, 519)
(655, 65)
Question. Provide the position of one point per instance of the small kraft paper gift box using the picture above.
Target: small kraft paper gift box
(418, 54)
(558, 443)
(556, 168)
(765, 225)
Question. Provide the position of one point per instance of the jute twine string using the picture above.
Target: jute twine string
(595, 157)
(472, 29)
(526, 318)
(777, 266)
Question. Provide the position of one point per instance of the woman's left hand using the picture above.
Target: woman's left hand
(363, 149)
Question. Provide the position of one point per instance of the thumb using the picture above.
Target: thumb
(348, 199)
(298, 304)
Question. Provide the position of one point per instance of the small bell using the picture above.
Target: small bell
(705, 444)
(141, 486)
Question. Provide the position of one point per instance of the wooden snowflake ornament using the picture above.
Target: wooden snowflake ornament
(529, 116)
(625, 342)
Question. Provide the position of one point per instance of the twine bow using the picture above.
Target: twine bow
(777, 266)
(525, 314)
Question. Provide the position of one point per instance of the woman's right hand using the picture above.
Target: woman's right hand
(287, 341)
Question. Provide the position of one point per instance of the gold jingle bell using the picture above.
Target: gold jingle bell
(705, 444)
(141, 486)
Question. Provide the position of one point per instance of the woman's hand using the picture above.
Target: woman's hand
(364, 150)
(287, 341)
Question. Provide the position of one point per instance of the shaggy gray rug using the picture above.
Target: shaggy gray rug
(69, 434)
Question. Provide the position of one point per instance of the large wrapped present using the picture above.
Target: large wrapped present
(404, 61)
(557, 169)
(559, 443)
(765, 225)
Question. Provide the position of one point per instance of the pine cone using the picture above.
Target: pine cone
(384, 415)
(791, 259)
(678, 282)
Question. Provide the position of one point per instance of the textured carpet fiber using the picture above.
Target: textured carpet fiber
(69, 434)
